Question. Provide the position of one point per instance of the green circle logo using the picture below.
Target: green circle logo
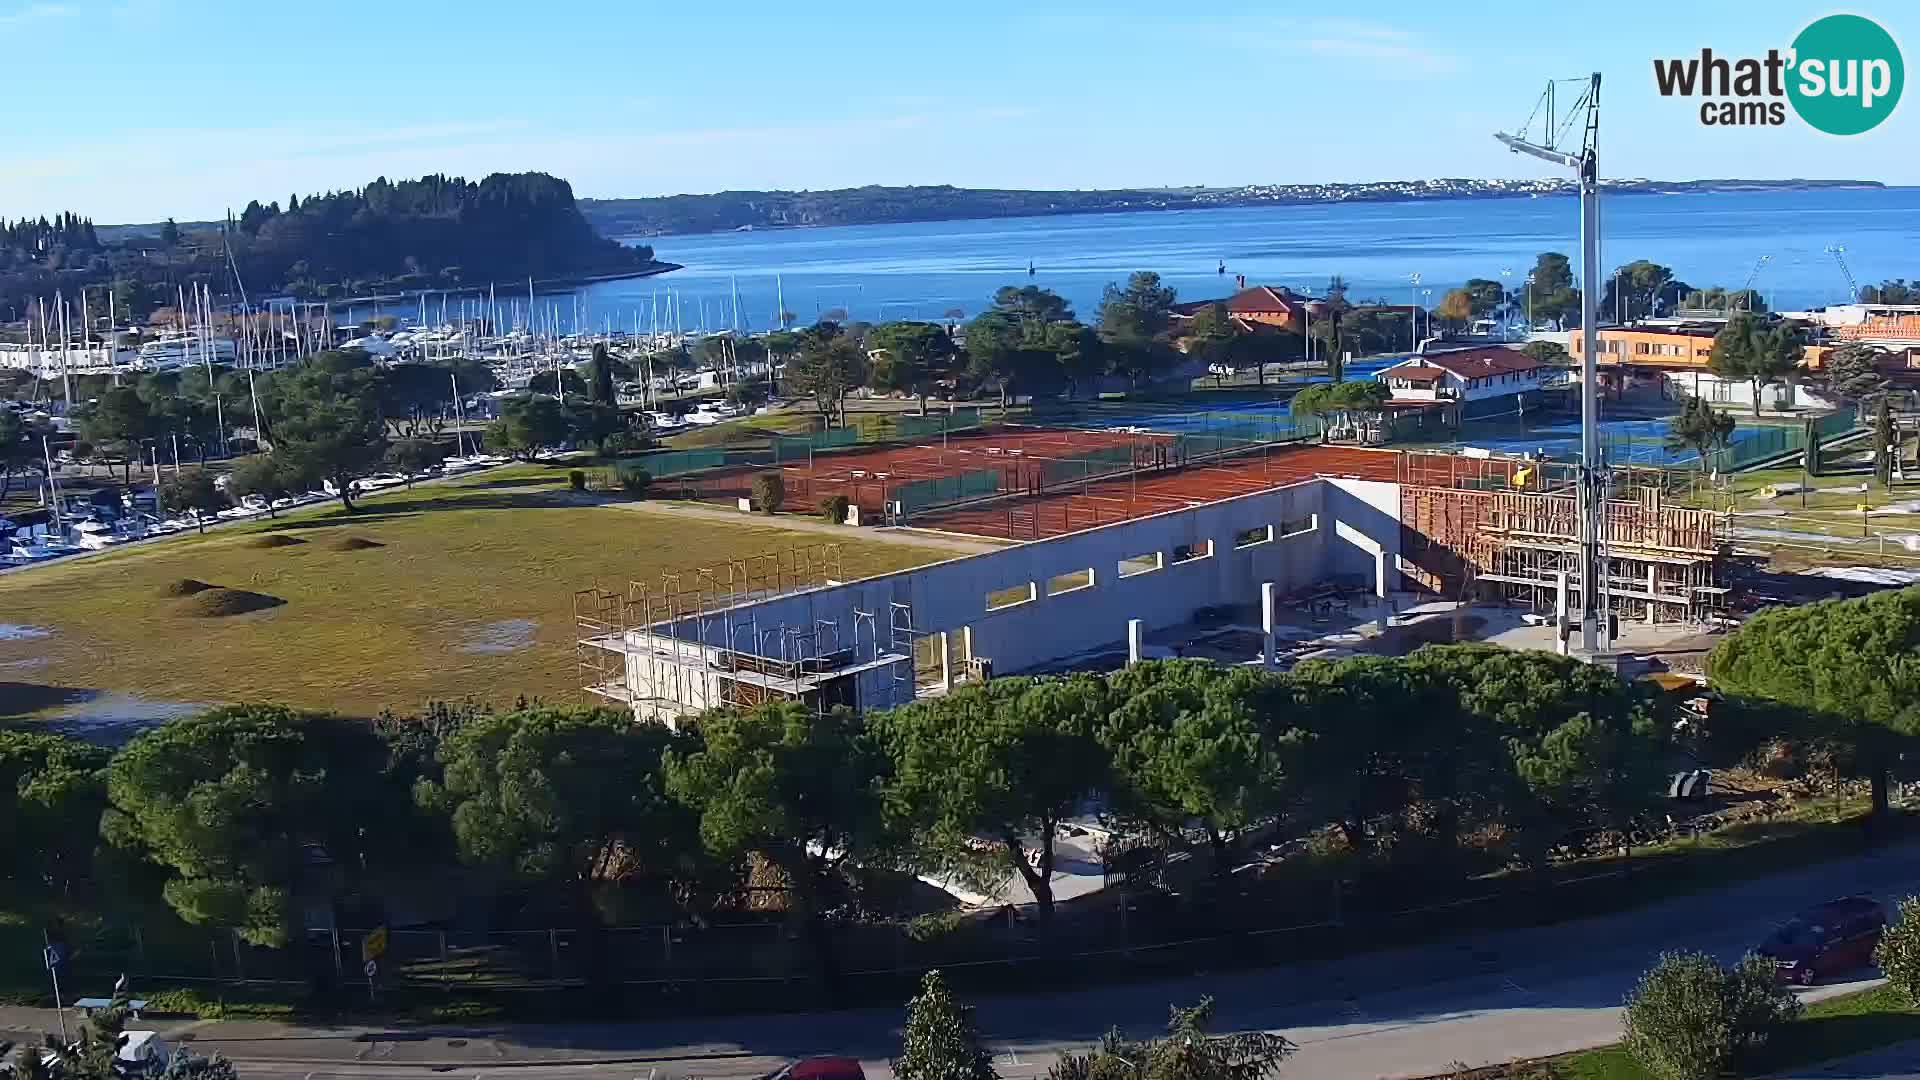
(1847, 74)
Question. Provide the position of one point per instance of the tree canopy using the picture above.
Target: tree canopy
(233, 803)
(572, 797)
(801, 790)
(909, 357)
(52, 792)
(1197, 743)
(1010, 760)
(528, 424)
(1760, 351)
(433, 232)
(940, 1040)
(1550, 290)
(830, 364)
(327, 423)
(1701, 428)
(1849, 664)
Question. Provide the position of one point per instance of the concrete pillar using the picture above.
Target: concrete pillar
(966, 642)
(1380, 588)
(1269, 597)
(1136, 631)
(1562, 631)
(1653, 609)
(946, 660)
(1560, 596)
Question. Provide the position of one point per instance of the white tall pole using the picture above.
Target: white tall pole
(1593, 470)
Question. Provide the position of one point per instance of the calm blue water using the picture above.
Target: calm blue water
(924, 270)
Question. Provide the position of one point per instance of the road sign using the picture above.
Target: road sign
(53, 956)
(371, 967)
(374, 945)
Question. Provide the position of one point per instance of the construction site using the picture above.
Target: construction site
(1121, 544)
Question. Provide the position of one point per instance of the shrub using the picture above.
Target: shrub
(1689, 1018)
(940, 1041)
(577, 479)
(635, 482)
(835, 509)
(769, 490)
(1898, 953)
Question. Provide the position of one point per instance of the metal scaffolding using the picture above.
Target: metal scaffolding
(693, 638)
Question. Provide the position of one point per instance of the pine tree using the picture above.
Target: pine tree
(940, 1041)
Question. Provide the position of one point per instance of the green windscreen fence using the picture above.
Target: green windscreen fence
(800, 447)
(1760, 442)
(942, 490)
(1086, 465)
(675, 462)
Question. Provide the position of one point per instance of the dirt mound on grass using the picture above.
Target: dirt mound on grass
(218, 603)
(273, 540)
(354, 543)
(185, 586)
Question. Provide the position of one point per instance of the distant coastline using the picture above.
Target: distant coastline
(740, 211)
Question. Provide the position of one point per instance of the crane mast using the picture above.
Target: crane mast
(1593, 473)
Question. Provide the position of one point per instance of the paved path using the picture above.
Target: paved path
(1395, 1013)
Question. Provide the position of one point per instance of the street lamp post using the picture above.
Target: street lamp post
(1413, 316)
(1506, 301)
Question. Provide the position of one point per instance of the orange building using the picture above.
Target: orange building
(1669, 348)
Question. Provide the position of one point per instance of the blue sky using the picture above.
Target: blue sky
(137, 109)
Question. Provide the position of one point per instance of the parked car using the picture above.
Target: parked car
(820, 1068)
(1837, 936)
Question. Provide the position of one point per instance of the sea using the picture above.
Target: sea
(1791, 245)
(1799, 249)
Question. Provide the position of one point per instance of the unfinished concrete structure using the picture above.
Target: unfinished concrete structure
(1501, 528)
(787, 626)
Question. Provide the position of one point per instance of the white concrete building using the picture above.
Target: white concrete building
(1465, 375)
(881, 641)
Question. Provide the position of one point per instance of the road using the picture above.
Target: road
(1395, 1013)
(1900, 1062)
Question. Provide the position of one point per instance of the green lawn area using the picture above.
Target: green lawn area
(468, 595)
(1835, 1028)
(747, 430)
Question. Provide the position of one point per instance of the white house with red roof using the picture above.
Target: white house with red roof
(1466, 375)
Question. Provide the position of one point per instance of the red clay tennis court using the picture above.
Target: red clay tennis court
(1156, 490)
(1001, 461)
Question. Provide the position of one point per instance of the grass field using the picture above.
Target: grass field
(468, 595)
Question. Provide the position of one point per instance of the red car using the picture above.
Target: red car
(820, 1068)
(1835, 937)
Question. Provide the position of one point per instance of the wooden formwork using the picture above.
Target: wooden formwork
(1662, 562)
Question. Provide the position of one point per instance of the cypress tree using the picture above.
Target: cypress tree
(940, 1041)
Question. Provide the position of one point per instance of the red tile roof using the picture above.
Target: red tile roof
(1265, 298)
(1477, 363)
(1418, 372)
